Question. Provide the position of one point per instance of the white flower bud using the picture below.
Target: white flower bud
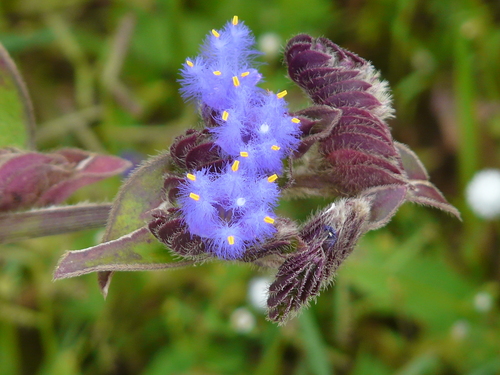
(242, 320)
(258, 291)
(483, 193)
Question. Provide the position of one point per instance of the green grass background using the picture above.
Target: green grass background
(420, 296)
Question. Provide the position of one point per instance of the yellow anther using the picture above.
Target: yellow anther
(235, 165)
(244, 154)
(272, 178)
(295, 120)
(269, 220)
(235, 20)
(191, 177)
(217, 73)
(230, 240)
(236, 81)
(244, 74)
(194, 196)
(190, 63)
(275, 148)
(225, 115)
(282, 94)
(215, 33)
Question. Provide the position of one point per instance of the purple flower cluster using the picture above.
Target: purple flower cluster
(231, 208)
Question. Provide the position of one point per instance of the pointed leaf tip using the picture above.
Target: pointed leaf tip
(412, 165)
(427, 194)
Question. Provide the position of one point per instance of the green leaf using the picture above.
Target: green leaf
(128, 245)
(314, 345)
(417, 284)
(17, 121)
(132, 252)
(426, 363)
(366, 363)
(142, 192)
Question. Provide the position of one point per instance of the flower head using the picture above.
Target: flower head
(231, 207)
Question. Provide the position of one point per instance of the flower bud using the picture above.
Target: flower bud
(329, 238)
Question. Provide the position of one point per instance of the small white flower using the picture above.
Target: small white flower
(483, 302)
(270, 44)
(483, 193)
(460, 330)
(242, 320)
(258, 291)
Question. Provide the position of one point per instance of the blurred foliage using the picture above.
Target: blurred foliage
(420, 296)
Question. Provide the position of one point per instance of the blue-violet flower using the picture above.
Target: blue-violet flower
(232, 209)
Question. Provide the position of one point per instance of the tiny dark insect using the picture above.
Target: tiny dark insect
(331, 238)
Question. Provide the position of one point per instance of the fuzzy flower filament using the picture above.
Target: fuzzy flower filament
(233, 208)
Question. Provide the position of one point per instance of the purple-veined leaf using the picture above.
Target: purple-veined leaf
(354, 178)
(299, 60)
(316, 123)
(89, 168)
(350, 157)
(32, 179)
(356, 99)
(317, 78)
(342, 139)
(339, 86)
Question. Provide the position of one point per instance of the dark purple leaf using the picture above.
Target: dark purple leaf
(350, 157)
(352, 179)
(425, 193)
(374, 127)
(203, 155)
(411, 163)
(357, 141)
(319, 77)
(338, 87)
(182, 145)
(357, 99)
(89, 169)
(307, 59)
(345, 127)
(30, 179)
(385, 201)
